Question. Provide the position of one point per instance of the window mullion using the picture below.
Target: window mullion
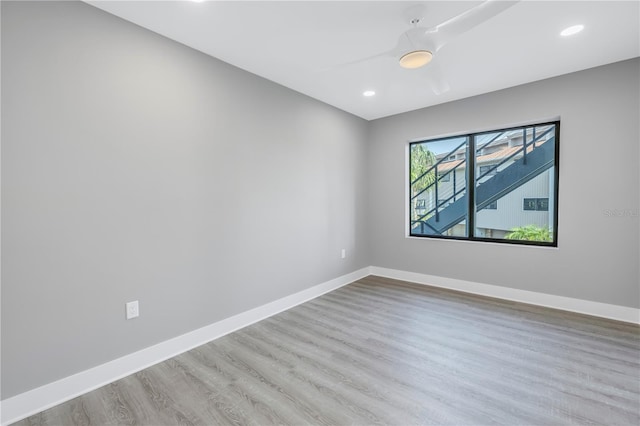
(471, 186)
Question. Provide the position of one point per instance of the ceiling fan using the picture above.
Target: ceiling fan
(418, 46)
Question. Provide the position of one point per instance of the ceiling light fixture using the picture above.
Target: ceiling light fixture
(416, 59)
(368, 93)
(572, 30)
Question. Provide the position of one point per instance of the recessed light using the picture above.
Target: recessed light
(368, 93)
(575, 29)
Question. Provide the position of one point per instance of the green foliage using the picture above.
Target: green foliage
(421, 160)
(529, 233)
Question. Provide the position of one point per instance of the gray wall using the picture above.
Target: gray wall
(134, 168)
(597, 257)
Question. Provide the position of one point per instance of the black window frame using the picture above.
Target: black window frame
(471, 172)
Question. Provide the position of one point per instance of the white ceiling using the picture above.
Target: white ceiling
(302, 44)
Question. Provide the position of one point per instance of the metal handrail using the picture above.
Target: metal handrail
(445, 200)
(524, 147)
(435, 166)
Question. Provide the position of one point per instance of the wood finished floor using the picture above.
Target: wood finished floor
(381, 351)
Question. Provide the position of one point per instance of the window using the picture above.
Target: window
(487, 171)
(492, 206)
(517, 167)
(537, 204)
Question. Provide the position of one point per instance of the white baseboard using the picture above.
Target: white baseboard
(39, 399)
(603, 310)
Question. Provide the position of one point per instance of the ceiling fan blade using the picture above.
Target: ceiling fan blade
(436, 79)
(358, 61)
(403, 44)
(443, 33)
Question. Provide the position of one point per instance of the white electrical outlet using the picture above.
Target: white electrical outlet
(133, 310)
(344, 253)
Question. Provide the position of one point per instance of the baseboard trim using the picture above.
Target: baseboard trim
(31, 402)
(603, 310)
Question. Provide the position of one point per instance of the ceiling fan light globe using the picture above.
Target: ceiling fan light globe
(416, 59)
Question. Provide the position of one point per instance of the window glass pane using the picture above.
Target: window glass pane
(499, 186)
(438, 179)
(514, 185)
